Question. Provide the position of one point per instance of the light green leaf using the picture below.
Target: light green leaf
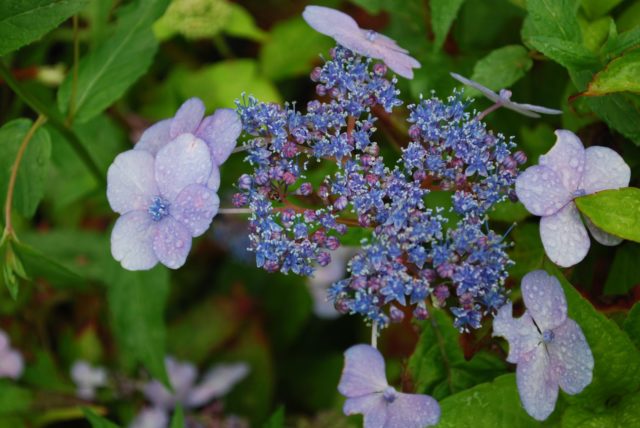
(624, 273)
(194, 20)
(13, 399)
(566, 53)
(106, 73)
(276, 420)
(624, 41)
(554, 18)
(177, 420)
(25, 21)
(438, 366)
(625, 413)
(292, 49)
(240, 23)
(501, 68)
(632, 324)
(32, 173)
(619, 75)
(614, 211)
(488, 405)
(509, 212)
(98, 421)
(617, 360)
(136, 302)
(443, 13)
(595, 33)
(596, 8)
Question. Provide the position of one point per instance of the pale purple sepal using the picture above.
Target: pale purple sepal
(220, 131)
(151, 417)
(132, 241)
(564, 236)
(131, 182)
(216, 383)
(187, 118)
(87, 379)
(172, 242)
(155, 137)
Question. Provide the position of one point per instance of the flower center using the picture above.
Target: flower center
(159, 208)
(547, 336)
(389, 394)
(579, 192)
(505, 94)
(371, 35)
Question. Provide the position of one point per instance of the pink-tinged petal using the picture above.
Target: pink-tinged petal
(187, 118)
(521, 333)
(412, 411)
(214, 179)
(220, 132)
(372, 406)
(571, 357)
(155, 137)
(182, 162)
(541, 191)
(171, 243)
(600, 235)
(386, 42)
(604, 169)
(564, 237)
(195, 207)
(11, 364)
(329, 21)
(151, 418)
(131, 184)
(363, 372)
(132, 241)
(567, 159)
(537, 384)
(544, 299)
(401, 63)
(217, 383)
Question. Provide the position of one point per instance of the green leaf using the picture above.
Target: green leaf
(371, 6)
(13, 399)
(98, 421)
(501, 68)
(276, 420)
(443, 13)
(619, 75)
(438, 366)
(32, 172)
(292, 49)
(597, 8)
(624, 273)
(509, 212)
(489, 405)
(625, 413)
(624, 41)
(193, 20)
(632, 324)
(617, 360)
(106, 73)
(566, 53)
(614, 211)
(177, 420)
(240, 23)
(136, 302)
(527, 253)
(595, 33)
(38, 265)
(25, 21)
(554, 18)
(629, 18)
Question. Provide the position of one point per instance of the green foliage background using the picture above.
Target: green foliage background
(64, 298)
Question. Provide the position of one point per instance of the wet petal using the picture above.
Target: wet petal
(521, 333)
(564, 237)
(184, 161)
(214, 179)
(363, 372)
(412, 411)
(544, 299)
(171, 243)
(187, 118)
(155, 137)
(600, 235)
(132, 241)
(221, 132)
(537, 384)
(372, 406)
(217, 383)
(195, 207)
(329, 21)
(604, 169)
(567, 159)
(485, 91)
(131, 184)
(571, 357)
(401, 63)
(541, 191)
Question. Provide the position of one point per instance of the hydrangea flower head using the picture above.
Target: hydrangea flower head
(549, 348)
(345, 31)
(548, 189)
(164, 202)
(11, 361)
(504, 99)
(364, 383)
(87, 378)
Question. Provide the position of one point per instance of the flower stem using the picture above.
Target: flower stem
(491, 109)
(374, 334)
(8, 228)
(234, 211)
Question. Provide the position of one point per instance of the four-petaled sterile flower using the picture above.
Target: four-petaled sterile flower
(345, 30)
(503, 99)
(364, 383)
(548, 189)
(164, 202)
(11, 361)
(87, 378)
(548, 347)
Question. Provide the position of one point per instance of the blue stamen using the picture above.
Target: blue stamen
(547, 336)
(159, 208)
(389, 394)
